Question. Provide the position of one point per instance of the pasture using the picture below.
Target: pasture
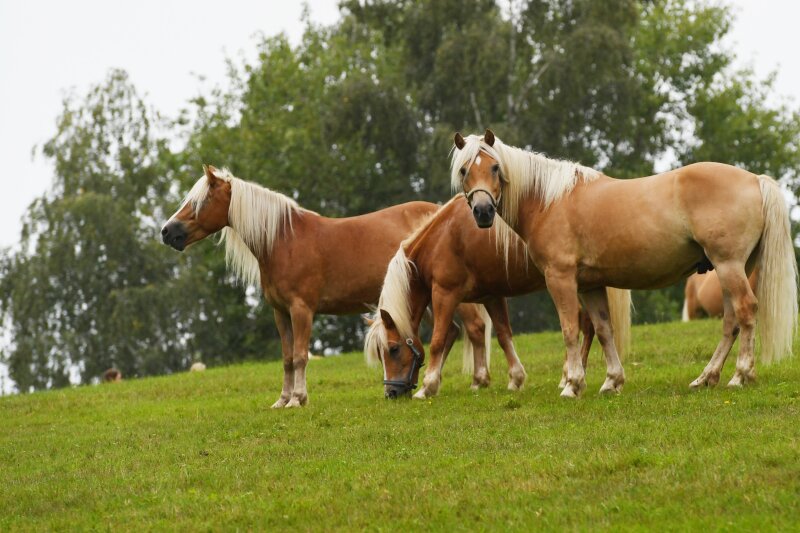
(203, 451)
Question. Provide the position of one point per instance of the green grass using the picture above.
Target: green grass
(204, 451)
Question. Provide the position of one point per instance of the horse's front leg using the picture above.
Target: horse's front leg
(302, 319)
(596, 304)
(284, 323)
(563, 289)
(443, 309)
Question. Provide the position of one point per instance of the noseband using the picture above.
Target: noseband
(471, 193)
(407, 385)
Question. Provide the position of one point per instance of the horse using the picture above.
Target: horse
(305, 263)
(112, 375)
(703, 294)
(444, 262)
(586, 231)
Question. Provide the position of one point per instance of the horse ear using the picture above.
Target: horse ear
(211, 174)
(488, 137)
(387, 319)
(368, 320)
(459, 141)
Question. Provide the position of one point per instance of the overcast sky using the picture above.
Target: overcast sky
(48, 47)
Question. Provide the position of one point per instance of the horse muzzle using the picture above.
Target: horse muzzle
(484, 214)
(174, 234)
(392, 392)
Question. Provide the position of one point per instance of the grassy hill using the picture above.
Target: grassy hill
(204, 451)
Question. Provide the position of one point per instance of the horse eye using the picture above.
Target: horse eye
(393, 350)
(463, 171)
(495, 169)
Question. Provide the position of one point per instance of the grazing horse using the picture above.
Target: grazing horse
(446, 261)
(304, 262)
(703, 294)
(586, 231)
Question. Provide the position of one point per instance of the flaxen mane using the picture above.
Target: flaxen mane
(522, 173)
(256, 218)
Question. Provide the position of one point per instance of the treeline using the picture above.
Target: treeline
(356, 117)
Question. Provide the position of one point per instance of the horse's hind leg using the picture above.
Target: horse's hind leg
(283, 322)
(498, 311)
(734, 282)
(596, 304)
(474, 331)
(730, 330)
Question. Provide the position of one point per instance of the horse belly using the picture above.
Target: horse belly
(640, 269)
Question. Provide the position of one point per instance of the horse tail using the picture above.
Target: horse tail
(468, 354)
(619, 307)
(689, 298)
(776, 287)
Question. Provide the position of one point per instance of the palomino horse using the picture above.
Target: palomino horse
(703, 294)
(305, 263)
(446, 261)
(586, 231)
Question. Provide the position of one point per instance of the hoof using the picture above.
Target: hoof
(297, 401)
(740, 379)
(705, 380)
(562, 383)
(280, 403)
(479, 385)
(516, 378)
(421, 394)
(612, 386)
(568, 392)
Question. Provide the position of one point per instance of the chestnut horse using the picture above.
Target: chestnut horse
(703, 294)
(305, 263)
(446, 261)
(586, 231)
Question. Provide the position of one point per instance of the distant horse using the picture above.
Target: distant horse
(444, 262)
(586, 231)
(112, 375)
(304, 263)
(703, 295)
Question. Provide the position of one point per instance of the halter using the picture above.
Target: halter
(407, 385)
(471, 193)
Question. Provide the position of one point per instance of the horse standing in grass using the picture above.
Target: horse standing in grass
(304, 262)
(446, 261)
(703, 294)
(586, 231)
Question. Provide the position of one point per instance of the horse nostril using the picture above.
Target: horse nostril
(391, 394)
(164, 231)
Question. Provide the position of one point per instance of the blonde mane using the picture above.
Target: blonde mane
(522, 172)
(394, 299)
(256, 218)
